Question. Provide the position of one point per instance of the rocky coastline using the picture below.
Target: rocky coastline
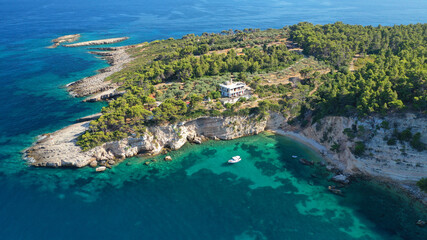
(117, 57)
(59, 149)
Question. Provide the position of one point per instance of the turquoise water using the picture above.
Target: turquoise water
(266, 196)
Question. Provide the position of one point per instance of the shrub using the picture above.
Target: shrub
(391, 141)
(405, 135)
(385, 124)
(359, 149)
(336, 147)
(416, 142)
(422, 184)
(349, 132)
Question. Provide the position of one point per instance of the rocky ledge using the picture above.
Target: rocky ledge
(59, 149)
(97, 42)
(66, 38)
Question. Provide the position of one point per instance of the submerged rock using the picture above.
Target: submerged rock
(306, 162)
(168, 158)
(333, 190)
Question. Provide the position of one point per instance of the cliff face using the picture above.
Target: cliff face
(399, 162)
(59, 150)
(176, 135)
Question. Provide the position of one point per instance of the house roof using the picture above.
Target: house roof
(232, 85)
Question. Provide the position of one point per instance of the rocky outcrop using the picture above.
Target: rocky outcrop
(105, 95)
(340, 178)
(97, 42)
(89, 118)
(66, 38)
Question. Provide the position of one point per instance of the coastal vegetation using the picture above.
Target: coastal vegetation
(391, 76)
(358, 71)
(422, 184)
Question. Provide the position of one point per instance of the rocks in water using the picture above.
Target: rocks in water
(329, 168)
(197, 140)
(306, 162)
(101, 169)
(66, 38)
(340, 178)
(147, 163)
(421, 223)
(168, 158)
(93, 164)
(335, 191)
(111, 162)
(128, 163)
(104, 155)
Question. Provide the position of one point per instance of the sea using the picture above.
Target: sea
(268, 195)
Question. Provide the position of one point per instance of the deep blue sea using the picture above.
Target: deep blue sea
(267, 196)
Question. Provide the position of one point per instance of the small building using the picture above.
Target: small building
(233, 89)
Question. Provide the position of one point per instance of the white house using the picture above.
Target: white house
(233, 89)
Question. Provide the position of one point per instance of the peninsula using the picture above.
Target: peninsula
(357, 94)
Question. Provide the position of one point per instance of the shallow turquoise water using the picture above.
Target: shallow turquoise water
(266, 196)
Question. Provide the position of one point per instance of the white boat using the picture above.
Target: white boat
(294, 156)
(235, 159)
